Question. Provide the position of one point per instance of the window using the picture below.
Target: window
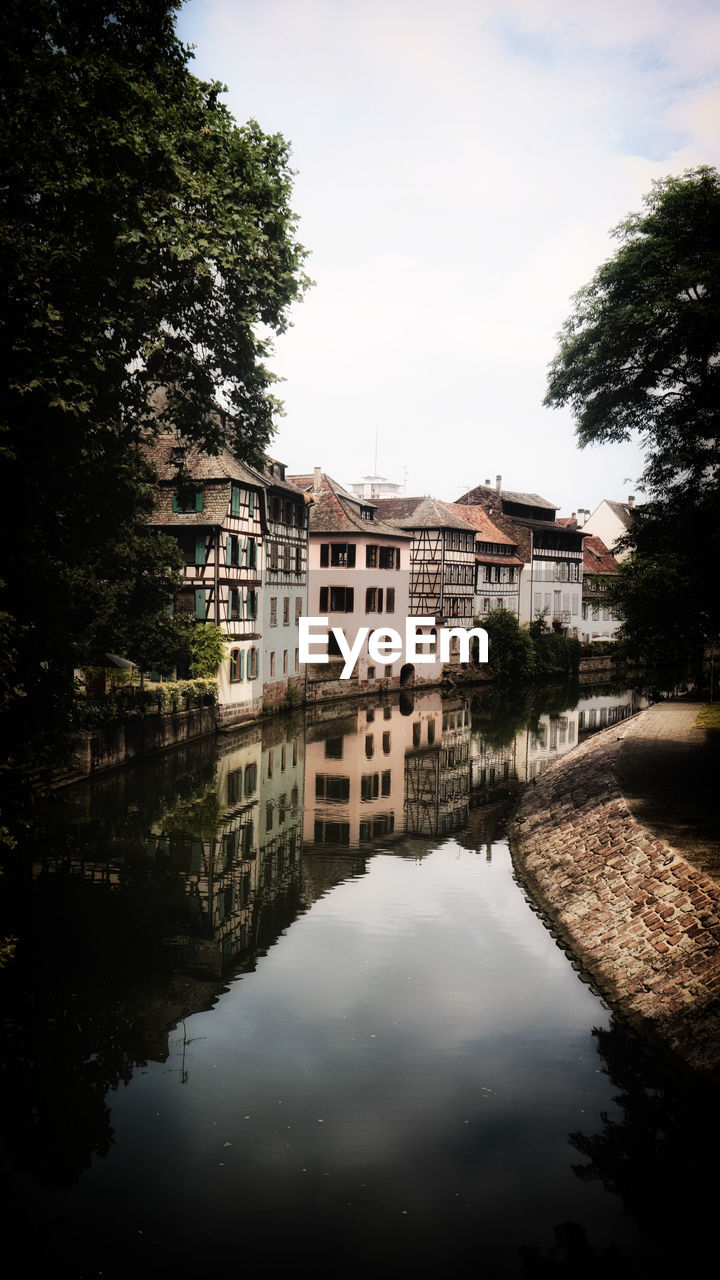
(390, 600)
(386, 744)
(370, 676)
(369, 786)
(273, 611)
(251, 553)
(187, 499)
(341, 599)
(286, 611)
(369, 746)
(234, 603)
(285, 662)
(272, 663)
(297, 660)
(333, 748)
(386, 782)
(298, 608)
(251, 604)
(234, 786)
(374, 600)
(233, 554)
(388, 671)
(250, 779)
(237, 664)
(200, 604)
(389, 557)
(298, 560)
(252, 664)
(371, 557)
(335, 790)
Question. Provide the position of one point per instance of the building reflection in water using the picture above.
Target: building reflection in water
(230, 822)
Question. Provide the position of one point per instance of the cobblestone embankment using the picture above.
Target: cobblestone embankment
(643, 921)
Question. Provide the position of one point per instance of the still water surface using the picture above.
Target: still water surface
(279, 1000)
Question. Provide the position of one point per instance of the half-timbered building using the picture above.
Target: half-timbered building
(218, 513)
(498, 566)
(551, 553)
(442, 558)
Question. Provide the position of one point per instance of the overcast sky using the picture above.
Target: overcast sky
(460, 164)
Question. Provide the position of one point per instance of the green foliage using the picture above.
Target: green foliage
(205, 648)
(125, 703)
(641, 353)
(556, 655)
(510, 649)
(145, 238)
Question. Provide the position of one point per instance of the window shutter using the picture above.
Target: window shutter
(228, 550)
(235, 501)
(349, 598)
(351, 555)
(199, 550)
(199, 500)
(251, 503)
(323, 599)
(241, 665)
(200, 603)
(324, 554)
(175, 501)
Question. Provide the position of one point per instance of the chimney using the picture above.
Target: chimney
(631, 501)
(498, 483)
(316, 479)
(573, 517)
(487, 483)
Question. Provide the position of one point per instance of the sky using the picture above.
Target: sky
(460, 165)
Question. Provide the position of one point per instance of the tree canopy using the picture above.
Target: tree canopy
(641, 353)
(146, 239)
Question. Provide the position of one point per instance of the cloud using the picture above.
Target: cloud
(460, 170)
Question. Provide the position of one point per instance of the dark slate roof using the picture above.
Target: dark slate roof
(483, 492)
(334, 510)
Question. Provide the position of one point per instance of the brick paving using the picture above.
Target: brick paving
(641, 914)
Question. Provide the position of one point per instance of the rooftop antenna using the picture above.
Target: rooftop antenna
(376, 444)
(404, 479)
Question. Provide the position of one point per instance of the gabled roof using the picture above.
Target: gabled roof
(596, 557)
(422, 513)
(334, 510)
(168, 451)
(623, 512)
(478, 517)
(483, 492)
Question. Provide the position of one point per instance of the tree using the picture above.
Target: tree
(145, 240)
(510, 650)
(641, 353)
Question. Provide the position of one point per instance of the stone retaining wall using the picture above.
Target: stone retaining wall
(644, 923)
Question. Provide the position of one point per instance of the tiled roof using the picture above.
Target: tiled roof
(478, 517)
(421, 513)
(334, 510)
(198, 465)
(482, 492)
(596, 557)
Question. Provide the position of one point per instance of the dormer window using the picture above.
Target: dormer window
(187, 499)
(366, 513)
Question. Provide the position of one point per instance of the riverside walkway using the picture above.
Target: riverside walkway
(619, 843)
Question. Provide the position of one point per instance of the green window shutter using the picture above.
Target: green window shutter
(176, 501)
(235, 501)
(241, 665)
(199, 550)
(228, 550)
(200, 603)
(251, 503)
(199, 500)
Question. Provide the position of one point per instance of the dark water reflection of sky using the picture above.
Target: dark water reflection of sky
(353, 1056)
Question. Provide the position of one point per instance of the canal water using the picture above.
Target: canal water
(278, 999)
